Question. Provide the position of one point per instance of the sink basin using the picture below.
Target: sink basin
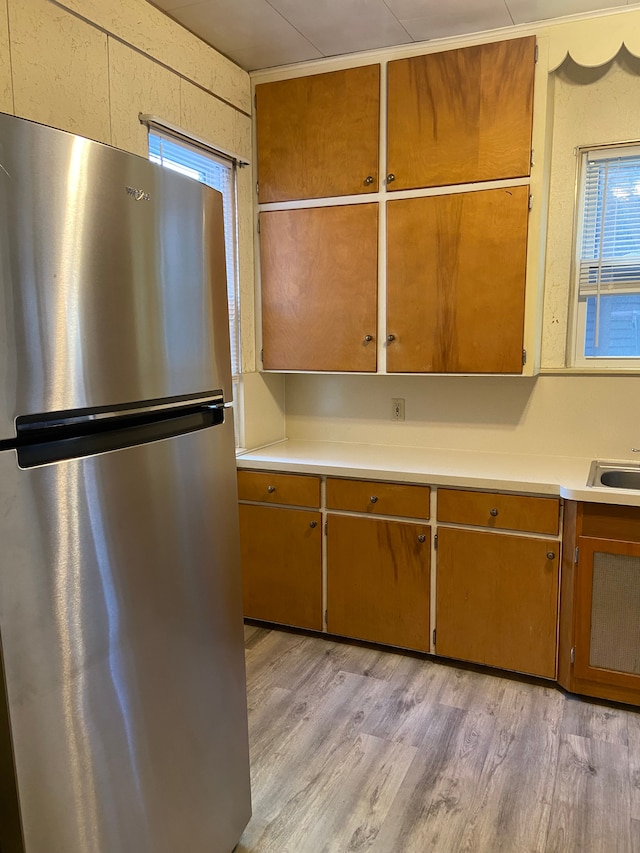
(615, 475)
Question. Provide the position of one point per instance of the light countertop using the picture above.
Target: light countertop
(562, 476)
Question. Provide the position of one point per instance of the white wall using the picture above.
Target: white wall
(548, 415)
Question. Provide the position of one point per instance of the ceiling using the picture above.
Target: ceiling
(264, 33)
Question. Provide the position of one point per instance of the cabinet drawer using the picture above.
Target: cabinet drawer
(268, 487)
(380, 498)
(499, 511)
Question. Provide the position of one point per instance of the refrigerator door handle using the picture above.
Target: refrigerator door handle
(25, 423)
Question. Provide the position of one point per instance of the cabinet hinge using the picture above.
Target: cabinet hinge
(257, 187)
(261, 355)
(326, 527)
(575, 556)
(258, 226)
(535, 54)
(435, 542)
(434, 637)
(573, 655)
(530, 201)
(524, 357)
(255, 96)
(326, 617)
(532, 159)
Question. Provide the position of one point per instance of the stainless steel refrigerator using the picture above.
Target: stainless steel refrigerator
(123, 721)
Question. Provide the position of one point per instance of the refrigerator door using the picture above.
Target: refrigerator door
(112, 277)
(121, 626)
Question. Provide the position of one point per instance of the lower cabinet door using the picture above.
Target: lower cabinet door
(281, 557)
(497, 600)
(607, 642)
(378, 580)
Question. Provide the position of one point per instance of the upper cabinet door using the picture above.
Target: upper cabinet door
(461, 116)
(319, 288)
(456, 268)
(318, 136)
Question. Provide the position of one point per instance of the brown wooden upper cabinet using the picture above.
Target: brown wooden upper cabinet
(456, 269)
(318, 136)
(319, 272)
(461, 116)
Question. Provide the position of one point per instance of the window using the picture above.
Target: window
(218, 172)
(607, 260)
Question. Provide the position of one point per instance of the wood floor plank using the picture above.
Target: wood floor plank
(635, 836)
(511, 809)
(430, 812)
(590, 810)
(633, 732)
(356, 793)
(600, 722)
(404, 712)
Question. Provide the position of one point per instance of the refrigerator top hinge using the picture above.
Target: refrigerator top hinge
(573, 655)
(435, 542)
(524, 357)
(575, 556)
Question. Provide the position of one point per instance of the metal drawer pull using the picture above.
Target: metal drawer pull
(493, 512)
(313, 524)
(368, 180)
(390, 177)
(271, 489)
(421, 537)
(550, 555)
(368, 338)
(374, 499)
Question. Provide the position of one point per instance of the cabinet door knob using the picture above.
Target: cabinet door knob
(271, 489)
(391, 338)
(374, 499)
(368, 338)
(390, 178)
(551, 555)
(493, 512)
(368, 180)
(421, 537)
(313, 524)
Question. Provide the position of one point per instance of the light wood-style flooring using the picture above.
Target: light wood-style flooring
(358, 749)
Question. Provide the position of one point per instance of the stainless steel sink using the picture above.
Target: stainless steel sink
(614, 475)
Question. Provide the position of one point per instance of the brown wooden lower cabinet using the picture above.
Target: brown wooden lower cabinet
(600, 611)
(378, 580)
(497, 600)
(281, 557)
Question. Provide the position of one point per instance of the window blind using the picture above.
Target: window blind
(217, 171)
(609, 259)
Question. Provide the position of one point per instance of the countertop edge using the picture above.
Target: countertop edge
(564, 477)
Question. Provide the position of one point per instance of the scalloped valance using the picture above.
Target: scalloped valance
(594, 41)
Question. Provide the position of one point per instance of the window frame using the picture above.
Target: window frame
(225, 158)
(578, 308)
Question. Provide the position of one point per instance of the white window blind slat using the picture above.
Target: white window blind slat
(610, 245)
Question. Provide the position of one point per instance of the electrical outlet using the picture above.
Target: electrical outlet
(397, 408)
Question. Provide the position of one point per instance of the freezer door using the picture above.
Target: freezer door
(121, 626)
(112, 277)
